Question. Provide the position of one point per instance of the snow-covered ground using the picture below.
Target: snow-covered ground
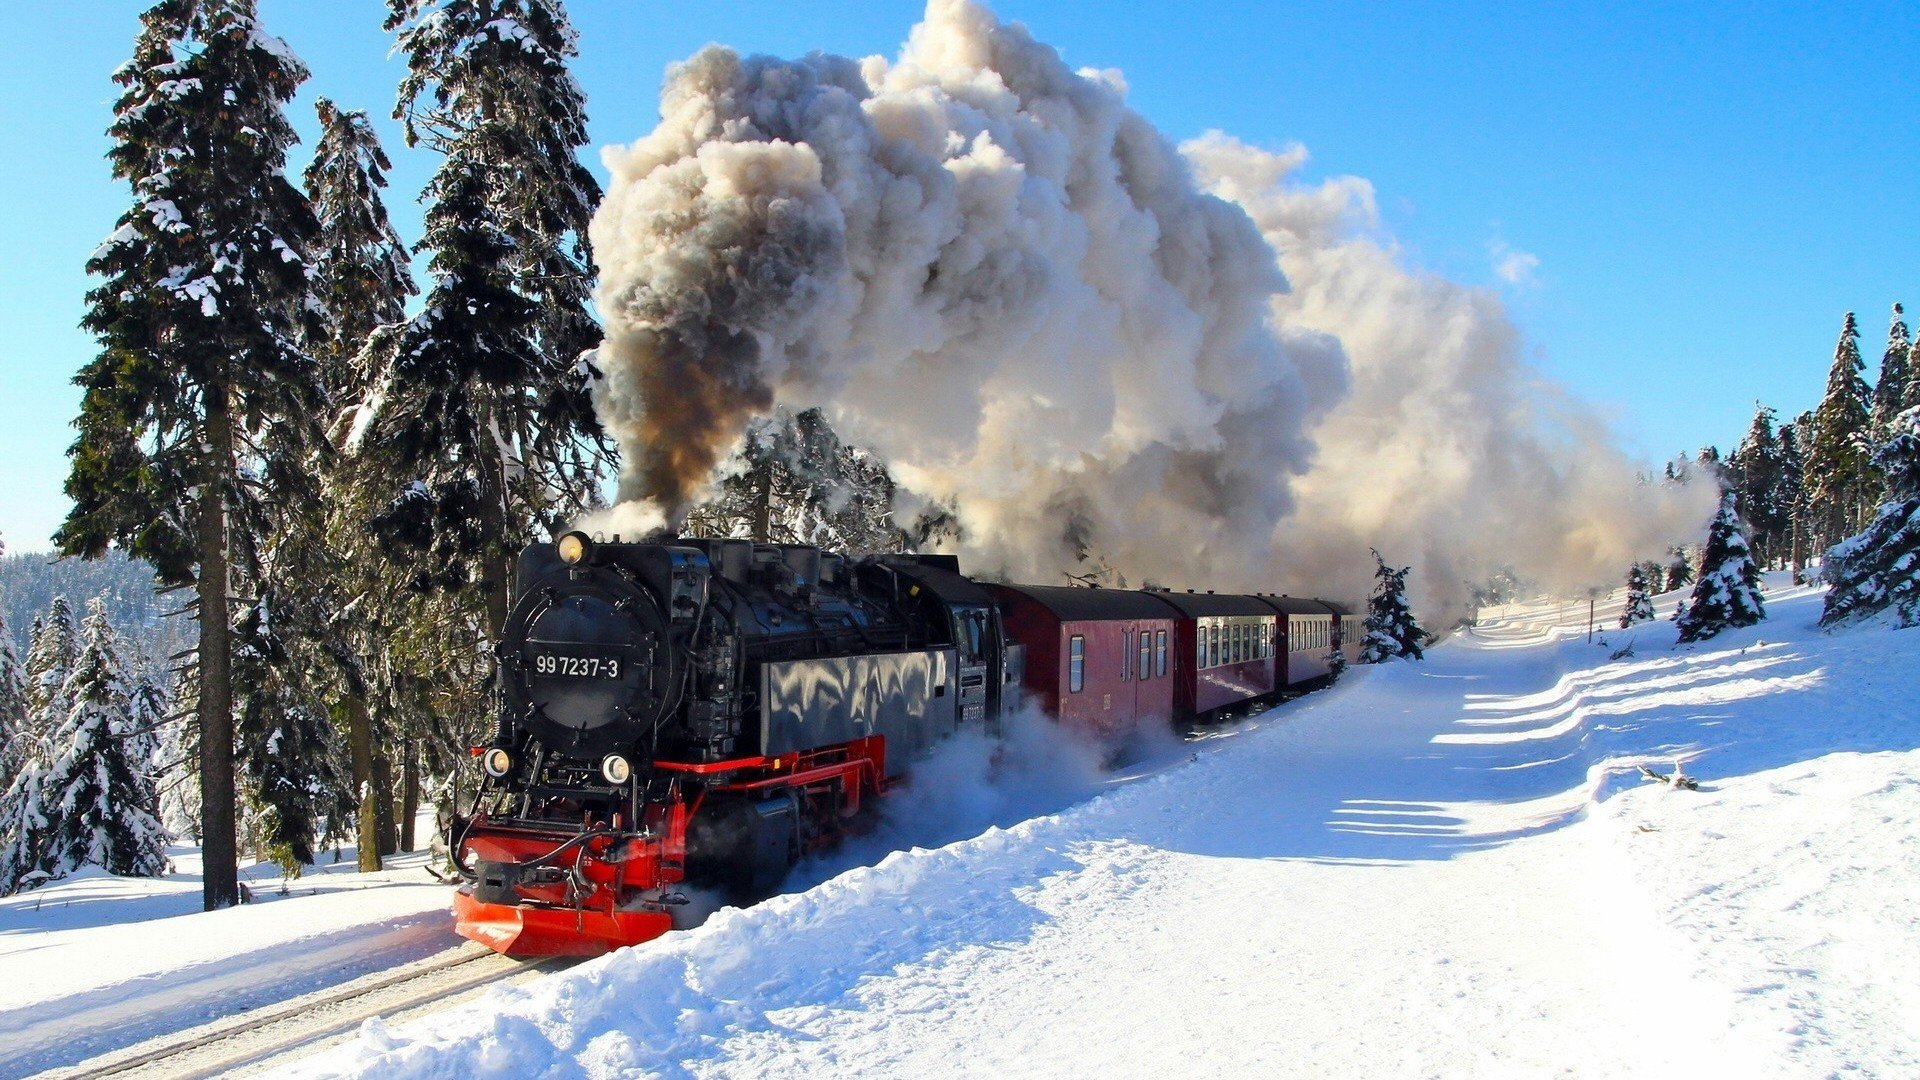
(1451, 868)
(93, 963)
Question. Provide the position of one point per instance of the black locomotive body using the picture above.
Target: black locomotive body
(703, 711)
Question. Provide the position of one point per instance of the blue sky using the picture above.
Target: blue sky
(1706, 194)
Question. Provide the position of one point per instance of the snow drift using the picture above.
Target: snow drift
(1017, 292)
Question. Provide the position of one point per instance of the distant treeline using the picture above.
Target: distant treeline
(30, 580)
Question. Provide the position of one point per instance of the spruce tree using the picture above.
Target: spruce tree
(482, 408)
(793, 481)
(13, 702)
(1639, 606)
(202, 381)
(1391, 629)
(1890, 393)
(362, 274)
(365, 279)
(1727, 594)
(99, 800)
(1791, 495)
(1756, 472)
(52, 653)
(1911, 398)
(1879, 569)
(1679, 569)
(1839, 475)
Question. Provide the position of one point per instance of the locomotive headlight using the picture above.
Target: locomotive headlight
(616, 769)
(574, 547)
(497, 762)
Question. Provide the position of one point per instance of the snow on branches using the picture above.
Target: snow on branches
(1878, 569)
(1391, 629)
(1727, 593)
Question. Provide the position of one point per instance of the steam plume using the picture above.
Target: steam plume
(1450, 453)
(987, 268)
(1014, 290)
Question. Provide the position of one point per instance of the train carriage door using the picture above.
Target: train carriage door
(1143, 665)
(973, 649)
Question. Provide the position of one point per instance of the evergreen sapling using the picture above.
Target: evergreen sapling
(100, 801)
(1639, 606)
(1727, 594)
(1391, 629)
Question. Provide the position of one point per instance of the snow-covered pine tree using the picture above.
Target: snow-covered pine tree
(1839, 475)
(151, 708)
(1727, 594)
(1639, 607)
(100, 803)
(202, 379)
(1756, 473)
(51, 653)
(1679, 573)
(13, 703)
(483, 407)
(793, 481)
(1890, 393)
(1391, 629)
(1791, 496)
(365, 278)
(1911, 398)
(1879, 569)
(362, 275)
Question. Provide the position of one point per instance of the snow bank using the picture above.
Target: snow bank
(1405, 877)
(96, 962)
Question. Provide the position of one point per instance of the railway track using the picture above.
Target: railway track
(278, 1032)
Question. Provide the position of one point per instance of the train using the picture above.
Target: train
(699, 714)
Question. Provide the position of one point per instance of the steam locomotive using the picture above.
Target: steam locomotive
(702, 713)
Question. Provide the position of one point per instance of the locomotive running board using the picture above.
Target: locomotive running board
(541, 931)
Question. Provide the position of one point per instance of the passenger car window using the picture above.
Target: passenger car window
(1076, 664)
(1159, 654)
(1146, 655)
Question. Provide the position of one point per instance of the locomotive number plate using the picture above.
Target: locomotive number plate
(577, 667)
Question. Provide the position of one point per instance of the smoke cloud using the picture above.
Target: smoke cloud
(1450, 453)
(1081, 338)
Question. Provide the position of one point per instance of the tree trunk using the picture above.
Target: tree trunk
(383, 804)
(220, 874)
(360, 741)
(763, 506)
(493, 507)
(409, 795)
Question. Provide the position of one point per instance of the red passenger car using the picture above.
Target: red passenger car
(1096, 658)
(1307, 638)
(1226, 652)
(1350, 630)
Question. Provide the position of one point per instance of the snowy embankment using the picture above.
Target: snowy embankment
(1449, 868)
(94, 963)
